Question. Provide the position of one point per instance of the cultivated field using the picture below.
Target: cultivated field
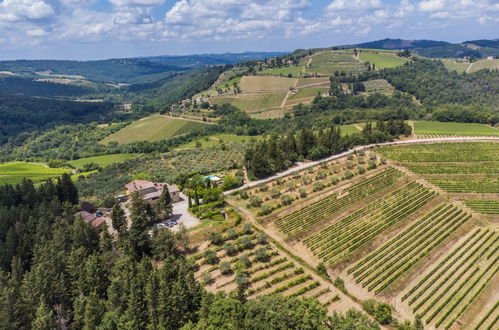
(401, 232)
(294, 70)
(432, 129)
(308, 93)
(484, 64)
(15, 172)
(103, 161)
(153, 128)
(327, 62)
(252, 102)
(312, 81)
(455, 65)
(382, 60)
(244, 255)
(266, 84)
(377, 85)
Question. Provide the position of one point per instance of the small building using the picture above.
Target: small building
(490, 58)
(86, 216)
(151, 191)
(98, 222)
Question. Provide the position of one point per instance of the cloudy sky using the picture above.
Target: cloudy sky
(96, 29)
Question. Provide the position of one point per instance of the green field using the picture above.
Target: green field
(268, 84)
(454, 65)
(376, 85)
(15, 172)
(217, 140)
(444, 152)
(448, 129)
(102, 161)
(484, 64)
(294, 70)
(309, 81)
(153, 128)
(252, 103)
(308, 92)
(382, 60)
(330, 61)
(348, 129)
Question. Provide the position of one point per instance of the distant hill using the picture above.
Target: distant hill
(126, 70)
(433, 48)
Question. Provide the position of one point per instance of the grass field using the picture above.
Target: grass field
(308, 93)
(448, 129)
(253, 102)
(153, 128)
(454, 65)
(484, 64)
(217, 140)
(348, 129)
(309, 81)
(102, 161)
(330, 61)
(15, 172)
(382, 60)
(267, 84)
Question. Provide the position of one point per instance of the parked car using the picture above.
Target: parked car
(160, 225)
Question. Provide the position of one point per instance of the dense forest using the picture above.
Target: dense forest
(57, 271)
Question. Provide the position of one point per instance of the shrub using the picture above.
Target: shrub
(232, 234)
(231, 182)
(340, 284)
(362, 160)
(322, 270)
(361, 170)
(262, 255)
(225, 268)
(245, 260)
(334, 181)
(265, 210)
(319, 187)
(349, 165)
(348, 175)
(255, 201)
(274, 193)
(210, 257)
(262, 238)
(206, 278)
(286, 200)
(302, 192)
(350, 157)
(230, 249)
(382, 312)
(216, 238)
(371, 165)
(247, 228)
(243, 194)
(246, 242)
(321, 175)
(242, 279)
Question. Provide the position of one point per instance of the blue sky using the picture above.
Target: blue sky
(96, 29)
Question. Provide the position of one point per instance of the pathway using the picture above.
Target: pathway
(303, 166)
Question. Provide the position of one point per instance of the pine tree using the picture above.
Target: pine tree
(164, 204)
(66, 190)
(44, 318)
(118, 218)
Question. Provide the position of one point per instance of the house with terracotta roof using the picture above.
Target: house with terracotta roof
(152, 190)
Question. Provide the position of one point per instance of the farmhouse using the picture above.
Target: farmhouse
(92, 218)
(152, 190)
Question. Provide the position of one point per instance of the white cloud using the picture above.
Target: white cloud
(13, 10)
(431, 5)
(353, 4)
(137, 3)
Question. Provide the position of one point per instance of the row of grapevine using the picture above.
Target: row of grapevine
(489, 320)
(381, 268)
(467, 185)
(321, 210)
(485, 206)
(353, 231)
(448, 289)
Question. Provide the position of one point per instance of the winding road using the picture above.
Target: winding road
(303, 166)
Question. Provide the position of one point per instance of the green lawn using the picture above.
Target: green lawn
(15, 172)
(441, 129)
(348, 129)
(382, 60)
(102, 161)
(153, 128)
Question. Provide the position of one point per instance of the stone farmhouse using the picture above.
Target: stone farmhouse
(151, 191)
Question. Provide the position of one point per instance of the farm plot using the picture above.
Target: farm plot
(384, 266)
(322, 210)
(153, 128)
(245, 255)
(451, 287)
(328, 62)
(252, 102)
(352, 232)
(485, 206)
(467, 184)
(266, 84)
(451, 168)
(265, 199)
(382, 60)
(484, 64)
(312, 81)
(455, 65)
(490, 319)
(349, 129)
(376, 85)
(443, 152)
(434, 129)
(102, 161)
(15, 172)
(293, 70)
(308, 93)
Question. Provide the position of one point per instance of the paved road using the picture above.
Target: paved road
(303, 166)
(181, 213)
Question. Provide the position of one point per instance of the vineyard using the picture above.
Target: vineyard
(445, 293)
(327, 62)
(435, 129)
(355, 230)
(322, 210)
(384, 266)
(485, 206)
(270, 198)
(245, 257)
(467, 185)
